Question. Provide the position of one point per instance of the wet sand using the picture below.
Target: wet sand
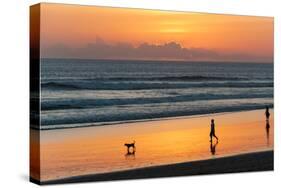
(99, 152)
(259, 161)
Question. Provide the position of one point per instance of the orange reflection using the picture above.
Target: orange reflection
(93, 150)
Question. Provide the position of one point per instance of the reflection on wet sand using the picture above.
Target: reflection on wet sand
(130, 154)
(72, 152)
(267, 127)
(213, 147)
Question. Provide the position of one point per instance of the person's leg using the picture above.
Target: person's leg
(215, 136)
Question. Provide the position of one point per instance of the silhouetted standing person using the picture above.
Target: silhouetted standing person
(267, 114)
(212, 133)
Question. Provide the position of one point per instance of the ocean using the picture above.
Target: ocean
(77, 93)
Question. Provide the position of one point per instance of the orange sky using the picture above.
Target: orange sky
(76, 26)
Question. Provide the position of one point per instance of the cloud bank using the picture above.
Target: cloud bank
(167, 51)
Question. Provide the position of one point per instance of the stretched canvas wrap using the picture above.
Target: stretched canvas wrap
(120, 93)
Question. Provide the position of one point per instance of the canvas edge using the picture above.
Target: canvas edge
(34, 95)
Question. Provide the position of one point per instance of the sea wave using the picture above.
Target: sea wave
(77, 92)
(128, 85)
(91, 120)
(56, 104)
(169, 78)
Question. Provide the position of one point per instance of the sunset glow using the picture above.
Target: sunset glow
(77, 26)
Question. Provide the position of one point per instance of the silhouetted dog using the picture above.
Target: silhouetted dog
(130, 145)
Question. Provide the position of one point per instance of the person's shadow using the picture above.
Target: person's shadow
(213, 147)
(267, 127)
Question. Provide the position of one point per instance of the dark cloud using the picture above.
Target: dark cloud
(168, 51)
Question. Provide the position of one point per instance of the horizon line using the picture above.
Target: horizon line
(163, 60)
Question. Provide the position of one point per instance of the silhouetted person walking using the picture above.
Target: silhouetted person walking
(212, 133)
(267, 114)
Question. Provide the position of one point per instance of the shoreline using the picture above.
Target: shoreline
(246, 162)
(99, 124)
